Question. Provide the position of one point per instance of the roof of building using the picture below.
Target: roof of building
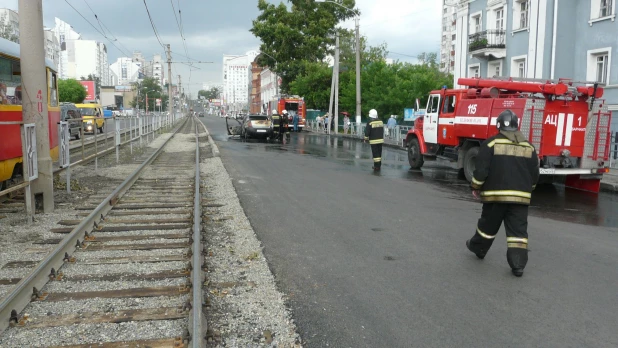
(12, 49)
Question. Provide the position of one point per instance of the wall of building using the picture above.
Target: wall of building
(125, 71)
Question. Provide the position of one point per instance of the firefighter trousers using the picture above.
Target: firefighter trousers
(515, 217)
(376, 151)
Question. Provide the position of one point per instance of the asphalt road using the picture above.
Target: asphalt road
(379, 260)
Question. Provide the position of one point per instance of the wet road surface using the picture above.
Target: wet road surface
(378, 260)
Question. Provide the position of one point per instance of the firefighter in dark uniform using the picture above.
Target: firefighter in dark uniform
(276, 122)
(285, 125)
(507, 170)
(374, 133)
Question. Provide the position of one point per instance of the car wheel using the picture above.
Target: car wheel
(470, 163)
(415, 158)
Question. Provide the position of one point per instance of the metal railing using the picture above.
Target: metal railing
(396, 136)
(487, 39)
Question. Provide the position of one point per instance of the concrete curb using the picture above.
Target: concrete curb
(213, 146)
(609, 187)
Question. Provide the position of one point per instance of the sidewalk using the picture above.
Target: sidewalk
(609, 183)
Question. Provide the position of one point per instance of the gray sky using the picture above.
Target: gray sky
(216, 27)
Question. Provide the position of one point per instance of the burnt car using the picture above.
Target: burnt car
(250, 127)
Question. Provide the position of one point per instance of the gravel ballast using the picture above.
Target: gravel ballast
(253, 312)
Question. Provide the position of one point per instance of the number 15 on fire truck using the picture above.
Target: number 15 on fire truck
(565, 121)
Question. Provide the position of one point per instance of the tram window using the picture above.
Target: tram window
(53, 92)
(10, 81)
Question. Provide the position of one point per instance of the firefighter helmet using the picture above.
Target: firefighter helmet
(275, 113)
(285, 112)
(507, 121)
(373, 113)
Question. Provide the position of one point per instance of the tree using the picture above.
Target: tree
(151, 86)
(71, 91)
(212, 93)
(97, 83)
(305, 33)
(7, 31)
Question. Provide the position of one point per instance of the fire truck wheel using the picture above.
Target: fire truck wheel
(470, 162)
(414, 154)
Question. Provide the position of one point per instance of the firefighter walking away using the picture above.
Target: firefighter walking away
(285, 125)
(507, 170)
(375, 134)
(276, 121)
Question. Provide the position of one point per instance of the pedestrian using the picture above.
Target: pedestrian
(391, 124)
(507, 170)
(295, 122)
(276, 122)
(285, 125)
(326, 123)
(374, 133)
(318, 121)
(346, 122)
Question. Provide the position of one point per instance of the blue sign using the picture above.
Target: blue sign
(408, 115)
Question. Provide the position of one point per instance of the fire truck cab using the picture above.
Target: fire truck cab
(295, 105)
(567, 124)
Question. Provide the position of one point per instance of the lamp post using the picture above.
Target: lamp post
(358, 71)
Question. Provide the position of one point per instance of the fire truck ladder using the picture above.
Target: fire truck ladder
(547, 87)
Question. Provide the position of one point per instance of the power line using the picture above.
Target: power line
(95, 28)
(102, 25)
(182, 36)
(153, 25)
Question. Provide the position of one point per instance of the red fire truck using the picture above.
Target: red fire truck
(294, 105)
(565, 121)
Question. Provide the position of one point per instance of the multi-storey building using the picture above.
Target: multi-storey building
(541, 39)
(268, 87)
(52, 46)
(157, 69)
(256, 84)
(10, 19)
(447, 46)
(64, 33)
(237, 80)
(125, 71)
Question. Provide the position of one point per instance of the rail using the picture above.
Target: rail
(20, 296)
(198, 322)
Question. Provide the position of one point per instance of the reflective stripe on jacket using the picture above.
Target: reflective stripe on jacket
(507, 169)
(374, 132)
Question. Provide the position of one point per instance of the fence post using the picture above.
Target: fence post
(117, 138)
(64, 160)
(139, 129)
(29, 166)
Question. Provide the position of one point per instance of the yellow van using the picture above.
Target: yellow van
(93, 117)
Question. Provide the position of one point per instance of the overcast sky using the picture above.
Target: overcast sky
(216, 27)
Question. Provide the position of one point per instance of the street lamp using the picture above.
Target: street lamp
(358, 71)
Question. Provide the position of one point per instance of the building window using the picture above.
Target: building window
(518, 66)
(124, 72)
(520, 14)
(473, 70)
(599, 65)
(602, 9)
(499, 19)
(494, 69)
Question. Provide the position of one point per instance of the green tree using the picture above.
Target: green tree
(71, 91)
(6, 29)
(304, 33)
(151, 87)
(212, 93)
(97, 83)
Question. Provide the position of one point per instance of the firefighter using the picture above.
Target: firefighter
(507, 170)
(285, 122)
(276, 121)
(374, 133)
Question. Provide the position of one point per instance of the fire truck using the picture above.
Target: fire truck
(566, 121)
(295, 105)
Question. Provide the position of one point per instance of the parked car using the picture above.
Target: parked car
(70, 114)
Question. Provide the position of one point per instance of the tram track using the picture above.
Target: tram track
(125, 273)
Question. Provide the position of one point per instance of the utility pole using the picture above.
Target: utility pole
(358, 71)
(34, 96)
(332, 85)
(330, 119)
(180, 94)
(170, 98)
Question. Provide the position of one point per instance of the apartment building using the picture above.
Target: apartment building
(541, 39)
(447, 44)
(237, 80)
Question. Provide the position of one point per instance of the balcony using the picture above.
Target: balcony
(487, 43)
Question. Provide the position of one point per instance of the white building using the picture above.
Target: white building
(86, 57)
(11, 18)
(449, 35)
(125, 71)
(64, 33)
(237, 79)
(157, 69)
(268, 89)
(52, 46)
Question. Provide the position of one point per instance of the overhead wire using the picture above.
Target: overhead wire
(95, 28)
(154, 28)
(102, 25)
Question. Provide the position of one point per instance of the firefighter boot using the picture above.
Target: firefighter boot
(517, 259)
(476, 249)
